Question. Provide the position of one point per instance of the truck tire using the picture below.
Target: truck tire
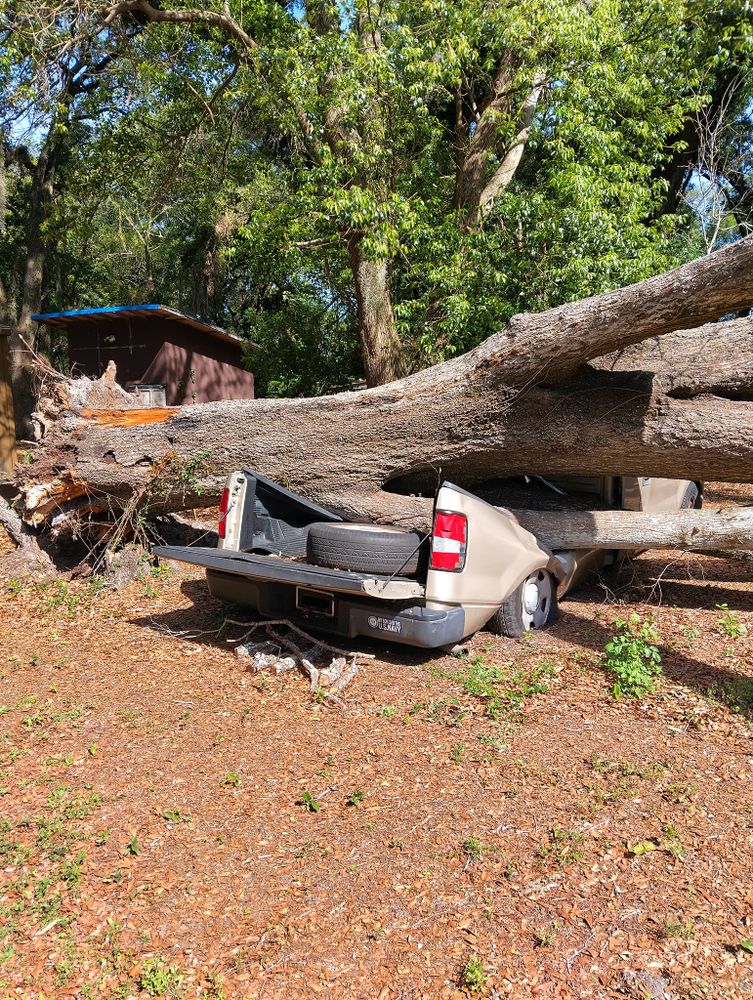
(366, 548)
(533, 604)
(692, 499)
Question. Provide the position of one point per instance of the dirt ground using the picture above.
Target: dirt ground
(550, 841)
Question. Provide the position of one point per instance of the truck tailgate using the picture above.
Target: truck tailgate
(265, 567)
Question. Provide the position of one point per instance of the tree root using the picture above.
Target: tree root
(19, 533)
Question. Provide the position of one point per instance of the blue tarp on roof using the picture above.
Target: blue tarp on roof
(73, 316)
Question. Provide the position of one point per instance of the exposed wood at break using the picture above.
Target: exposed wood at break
(45, 499)
(130, 418)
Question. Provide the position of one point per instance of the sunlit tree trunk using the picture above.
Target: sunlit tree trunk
(377, 334)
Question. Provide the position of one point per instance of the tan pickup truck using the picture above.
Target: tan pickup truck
(288, 558)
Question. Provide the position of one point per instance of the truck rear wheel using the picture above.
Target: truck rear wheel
(366, 548)
(531, 605)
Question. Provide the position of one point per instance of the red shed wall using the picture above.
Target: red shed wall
(193, 366)
(193, 377)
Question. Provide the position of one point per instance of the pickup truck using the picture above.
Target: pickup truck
(288, 558)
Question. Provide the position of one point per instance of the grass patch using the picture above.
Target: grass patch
(159, 977)
(678, 927)
(473, 849)
(564, 847)
(473, 975)
(502, 687)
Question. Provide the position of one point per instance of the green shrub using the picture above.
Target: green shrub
(633, 658)
(730, 623)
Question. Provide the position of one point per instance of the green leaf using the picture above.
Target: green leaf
(643, 847)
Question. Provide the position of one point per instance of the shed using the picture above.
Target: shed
(156, 345)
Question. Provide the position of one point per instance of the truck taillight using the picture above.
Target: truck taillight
(224, 504)
(448, 541)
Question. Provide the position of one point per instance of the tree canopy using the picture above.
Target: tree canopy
(364, 188)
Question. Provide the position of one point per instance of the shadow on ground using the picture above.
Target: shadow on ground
(735, 690)
(203, 623)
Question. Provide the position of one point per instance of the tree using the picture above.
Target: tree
(527, 400)
(52, 83)
(466, 159)
(394, 181)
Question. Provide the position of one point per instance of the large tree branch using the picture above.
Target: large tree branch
(551, 346)
(505, 172)
(349, 452)
(716, 358)
(144, 9)
(470, 419)
(695, 530)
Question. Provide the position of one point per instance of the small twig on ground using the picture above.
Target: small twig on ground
(342, 677)
(578, 951)
(656, 587)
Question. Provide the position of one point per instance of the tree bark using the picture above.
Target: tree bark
(504, 175)
(377, 335)
(716, 358)
(694, 530)
(40, 201)
(475, 190)
(7, 317)
(502, 409)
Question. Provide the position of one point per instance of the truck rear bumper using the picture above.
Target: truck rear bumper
(343, 615)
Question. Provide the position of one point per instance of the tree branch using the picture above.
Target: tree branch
(551, 346)
(505, 172)
(715, 359)
(191, 16)
(472, 162)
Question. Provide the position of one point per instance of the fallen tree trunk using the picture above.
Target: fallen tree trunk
(341, 451)
(715, 359)
(524, 401)
(695, 530)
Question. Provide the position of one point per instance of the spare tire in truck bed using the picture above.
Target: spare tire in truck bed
(366, 548)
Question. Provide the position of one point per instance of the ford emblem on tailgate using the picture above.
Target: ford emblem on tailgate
(393, 625)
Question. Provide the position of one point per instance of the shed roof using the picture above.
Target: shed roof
(75, 316)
